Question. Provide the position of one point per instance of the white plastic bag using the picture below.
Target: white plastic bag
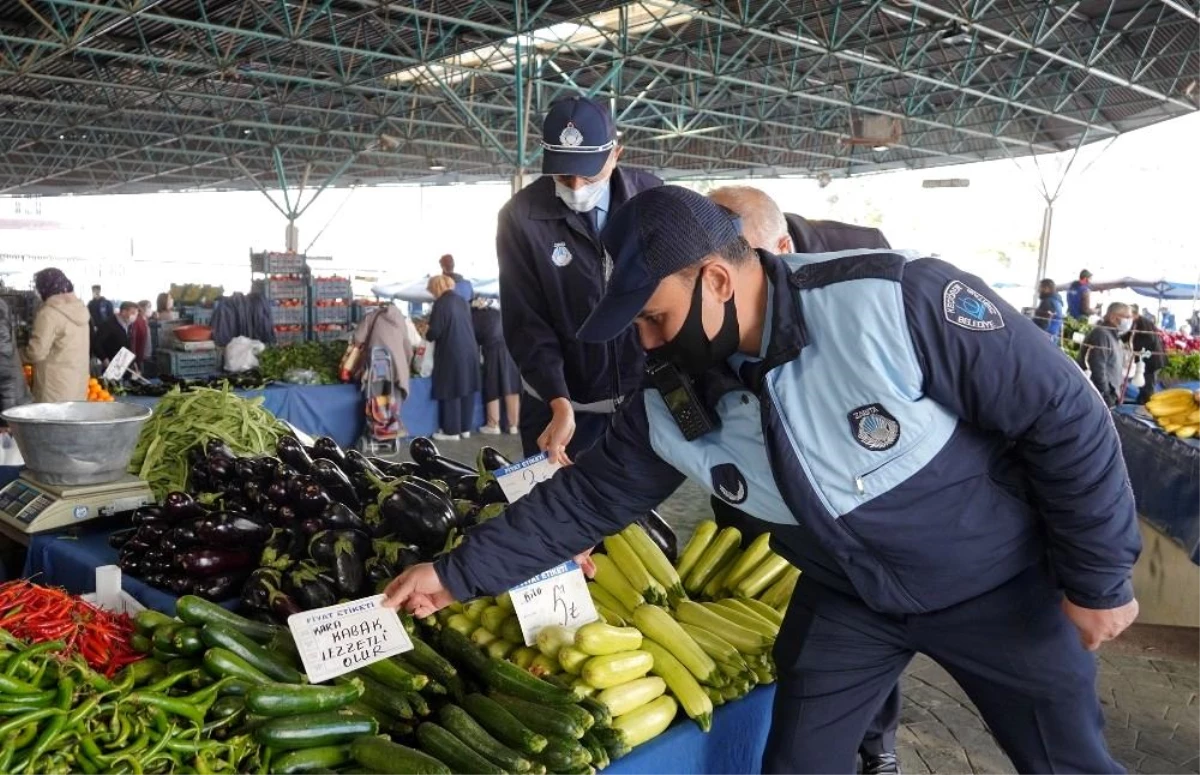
(241, 354)
(9, 454)
(423, 359)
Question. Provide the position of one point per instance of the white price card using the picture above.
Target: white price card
(558, 596)
(518, 479)
(340, 638)
(118, 365)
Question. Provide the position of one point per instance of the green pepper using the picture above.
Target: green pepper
(10, 685)
(18, 662)
(64, 700)
(176, 706)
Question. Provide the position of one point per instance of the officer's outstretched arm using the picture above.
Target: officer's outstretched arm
(992, 366)
(611, 485)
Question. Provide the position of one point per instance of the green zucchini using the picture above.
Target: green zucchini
(500, 675)
(274, 665)
(380, 755)
(541, 718)
(613, 740)
(275, 699)
(599, 711)
(455, 753)
(389, 673)
(562, 754)
(140, 643)
(418, 703)
(163, 638)
(314, 729)
(461, 725)
(506, 727)
(309, 759)
(200, 612)
(594, 747)
(149, 620)
(223, 663)
(382, 698)
(187, 641)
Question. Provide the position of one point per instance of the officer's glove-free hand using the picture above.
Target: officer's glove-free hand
(1097, 626)
(418, 590)
(559, 432)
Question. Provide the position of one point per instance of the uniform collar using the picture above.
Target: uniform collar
(546, 206)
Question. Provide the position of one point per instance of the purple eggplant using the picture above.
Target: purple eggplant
(661, 534)
(365, 486)
(256, 592)
(311, 526)
(490, 460)
(214, 562)
(462, 487)
(441, 467)
(328, 449)
(378, 570)
(398, 556)
(344, 551)
(266, 468)
(418, 515)
(487, 490)
(335, 482)
(218, 588)
(313, 501)
(358, 463)
(338, 516)
(180, 585)
(466, 514)
(132, 566)
(157, 580)
(118, 538)
(152, 532)
(178, 506)
(277, 493)
(252, 491)
(285, 546)
(422, 449)
(393, 469)
(199, 479)
(282, 604)
(220, 469)
(217, 448)
(292, 453)
(286, 516)
(306, 586)
(233, 531)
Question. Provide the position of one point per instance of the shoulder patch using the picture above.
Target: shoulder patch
(729, 484)
(874, 427)
(967, 308)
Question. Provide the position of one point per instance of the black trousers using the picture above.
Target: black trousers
(880, 736)
(1012, 650)
(457, 415)
(536, 415)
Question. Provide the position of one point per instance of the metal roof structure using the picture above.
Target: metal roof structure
(123, 96)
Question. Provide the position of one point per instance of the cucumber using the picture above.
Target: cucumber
(276, 699)
(324, 757)
(223, 663)
(163, 638)
(503, 725)
(502, 676)
(563, 754)
(269, 662)
(542, 718)
(149, 620)
(390, 673)
(467, 729)
(200, 612)
(314, 729)
(187, 641)
(455, 753)
(380, 755)
(226, 707)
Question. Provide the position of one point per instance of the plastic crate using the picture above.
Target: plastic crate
(322, 315)
(289, 337)
(277, 263)
(331, 335)
(287, 316)
(193, 365)
(331, 288)
(286, 289)
(201, 316)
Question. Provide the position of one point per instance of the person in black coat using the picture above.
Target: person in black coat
(455, 360)
(501, 378)
(113, 333)
(1144, 336)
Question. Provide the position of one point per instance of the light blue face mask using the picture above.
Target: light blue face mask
(584, 198)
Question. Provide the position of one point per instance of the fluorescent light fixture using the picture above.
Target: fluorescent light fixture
(436, 165)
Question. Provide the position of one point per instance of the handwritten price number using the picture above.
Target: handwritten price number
(568, 609)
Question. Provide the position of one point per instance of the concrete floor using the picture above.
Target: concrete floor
(1148, 682)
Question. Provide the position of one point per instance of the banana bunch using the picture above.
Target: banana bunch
(1176, 411)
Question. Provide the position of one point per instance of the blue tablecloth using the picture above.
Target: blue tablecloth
(337, 410)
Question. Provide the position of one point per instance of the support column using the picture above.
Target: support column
(1044, 247)
(291, 237)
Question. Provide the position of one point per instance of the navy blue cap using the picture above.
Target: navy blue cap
(655, 234)
(578, 136)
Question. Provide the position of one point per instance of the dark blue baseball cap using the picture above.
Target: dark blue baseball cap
(655, 234)
(578, 136)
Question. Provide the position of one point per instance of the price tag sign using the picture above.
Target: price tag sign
(340, 638)
(118, 365)
(518, 479)
(558, 596)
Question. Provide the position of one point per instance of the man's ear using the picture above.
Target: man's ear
(718, 276)
(785, 245)
(617, 151)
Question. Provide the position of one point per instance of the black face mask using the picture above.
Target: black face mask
(691, 349)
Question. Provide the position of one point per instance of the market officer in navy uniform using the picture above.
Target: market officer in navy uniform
(949, 483)
(552, 276)
(766, 227)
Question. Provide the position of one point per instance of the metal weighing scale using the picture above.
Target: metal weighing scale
(28, 506)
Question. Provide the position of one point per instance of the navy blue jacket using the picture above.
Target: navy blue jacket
(829, 236)
(455, 355)
(551, 277)
(916, 454)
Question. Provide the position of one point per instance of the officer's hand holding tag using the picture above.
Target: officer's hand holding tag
(559, 432)
(418, 590)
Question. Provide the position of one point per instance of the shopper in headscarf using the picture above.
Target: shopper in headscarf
(455, 360)
(59, 346)
(13, 390)
(501, 379)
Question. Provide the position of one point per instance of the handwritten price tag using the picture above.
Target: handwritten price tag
(118, 365)
(340, 638)
(558, 596)
(518, 479)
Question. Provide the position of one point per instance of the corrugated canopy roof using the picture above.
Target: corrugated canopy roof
(184, 94)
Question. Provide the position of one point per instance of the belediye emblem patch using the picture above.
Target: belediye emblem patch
(560, 255)
(874, 427)
(728, 483)
(967, 308)
(570, 135)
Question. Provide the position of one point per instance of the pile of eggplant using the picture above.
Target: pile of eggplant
(313, 525)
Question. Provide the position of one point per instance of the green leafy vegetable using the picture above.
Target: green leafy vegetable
(324, 358)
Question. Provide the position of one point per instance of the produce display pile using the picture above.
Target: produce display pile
(322, 358)
(1176, 411)
(183, 422)
(245, 380)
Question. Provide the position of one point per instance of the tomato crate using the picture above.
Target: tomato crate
(286, 288)
(332, 335)
(287, 316)
(334, 314)
(290, 337)
(189, 365)
(277, 263)
(332, 288)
